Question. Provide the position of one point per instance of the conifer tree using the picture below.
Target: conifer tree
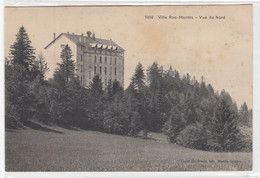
(109, 90)
(117, 90)
(139, 77)
(20, 73)
(67, 66)
(137, 101)
(43, 68)
(97, 106)
(96, 86)
(174, 124)
(223, 128)
(156, 99)
(243, 114)
(22, 53)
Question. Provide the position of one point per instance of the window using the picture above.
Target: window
(81, 79)
(105, 70)
(89, 75)
(100, 59)
(115, 71)
(115, 60)
(81, 68)
(100, 70)
(110, 72)
(110, 62)
(81, 57)
(95, 70)
(95, 59)
(105, 60)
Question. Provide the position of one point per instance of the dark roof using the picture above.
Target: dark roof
(89, 40)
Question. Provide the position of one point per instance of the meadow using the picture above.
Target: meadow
(59, 149)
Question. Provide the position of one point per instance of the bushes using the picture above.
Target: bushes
(216, 131)
(135, 124)
(11, 117)
(115, 121)
(196, 136)
(118, 119)
(193, 136)
(174, 125)
(245, 143)
(68, 104)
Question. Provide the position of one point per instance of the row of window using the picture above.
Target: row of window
(100, 70)
(105, 80)
(100, 59)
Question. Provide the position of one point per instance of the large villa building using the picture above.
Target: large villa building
(93, 56)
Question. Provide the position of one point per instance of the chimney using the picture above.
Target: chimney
(54, 36)
(89, 33)
(82, 38)
(110, 42)
(93, 36)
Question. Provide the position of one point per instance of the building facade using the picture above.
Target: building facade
(93, 56)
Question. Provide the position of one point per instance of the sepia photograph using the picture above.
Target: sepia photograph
(128, 88)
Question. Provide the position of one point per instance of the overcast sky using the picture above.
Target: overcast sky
(220, 50)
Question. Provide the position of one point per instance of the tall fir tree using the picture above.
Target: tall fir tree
(96, 86)
(108, 90)
(97, 100)
(243, 115)
(20, 74)
(43, 67)
(157, 101)
(22, 53)
(139, 77)
(67, 65)
(223, 128)
(174, 124)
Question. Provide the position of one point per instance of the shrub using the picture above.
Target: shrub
(135, 124)
(173, 125)
(115, 120)
(193, 136)
(245, 142)
(224, 134)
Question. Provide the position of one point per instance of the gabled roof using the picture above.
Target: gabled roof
(53, 41)
(89, 41)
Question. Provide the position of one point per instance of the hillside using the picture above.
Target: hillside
(58, 149)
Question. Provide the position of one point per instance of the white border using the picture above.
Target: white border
(256, 90)
(2, 126)
(121, 2)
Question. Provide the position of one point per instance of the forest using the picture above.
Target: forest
(188, 111)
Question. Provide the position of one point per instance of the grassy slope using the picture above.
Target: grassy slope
(34, 150)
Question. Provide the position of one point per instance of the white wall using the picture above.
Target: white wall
(52, 54)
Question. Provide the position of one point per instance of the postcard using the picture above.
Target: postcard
(128, 88)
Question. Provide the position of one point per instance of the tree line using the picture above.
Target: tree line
(189, 112)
